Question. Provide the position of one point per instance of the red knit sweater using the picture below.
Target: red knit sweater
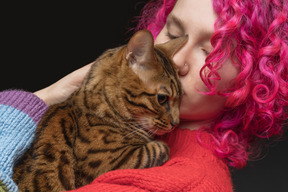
(192, 168)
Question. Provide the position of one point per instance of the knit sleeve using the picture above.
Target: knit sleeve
(20, 112)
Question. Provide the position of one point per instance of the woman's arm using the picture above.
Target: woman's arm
(20, 112)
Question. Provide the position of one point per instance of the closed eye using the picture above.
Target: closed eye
(170, 36)
(206, 52)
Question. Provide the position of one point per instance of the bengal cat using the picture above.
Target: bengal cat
(130, 94)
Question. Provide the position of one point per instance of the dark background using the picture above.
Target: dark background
(43, 41)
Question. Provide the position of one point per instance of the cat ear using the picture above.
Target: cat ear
(140, 50)
(172, 46)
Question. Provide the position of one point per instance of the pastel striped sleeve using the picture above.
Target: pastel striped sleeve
(20, 112)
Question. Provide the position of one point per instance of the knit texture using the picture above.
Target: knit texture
(20, 112)
(192, 168)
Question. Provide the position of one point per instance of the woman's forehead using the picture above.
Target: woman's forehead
(194, 13)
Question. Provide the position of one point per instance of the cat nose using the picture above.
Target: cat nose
(174, 123)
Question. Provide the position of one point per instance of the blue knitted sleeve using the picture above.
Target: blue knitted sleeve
(20, 113)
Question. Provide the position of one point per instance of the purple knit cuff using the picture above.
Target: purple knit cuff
(25, 101)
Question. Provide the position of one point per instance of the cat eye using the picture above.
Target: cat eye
(162, 99)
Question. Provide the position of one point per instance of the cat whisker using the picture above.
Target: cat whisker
(142, 124)
(132, 132)
(154, 132)
(136, 126)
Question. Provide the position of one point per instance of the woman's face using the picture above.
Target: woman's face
(195, 18)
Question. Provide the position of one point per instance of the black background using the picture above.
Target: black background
(43, 41)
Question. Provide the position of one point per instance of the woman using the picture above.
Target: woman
(234, 74)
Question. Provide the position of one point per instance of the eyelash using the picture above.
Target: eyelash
(206, 52)
(170, 36)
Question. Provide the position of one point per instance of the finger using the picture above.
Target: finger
(78, 76)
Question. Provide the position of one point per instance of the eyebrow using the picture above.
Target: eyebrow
(164, 89)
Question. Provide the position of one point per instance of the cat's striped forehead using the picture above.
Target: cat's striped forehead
(170, 71)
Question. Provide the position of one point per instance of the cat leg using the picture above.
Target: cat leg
(49, 168)
(152, 154)
(54, 168)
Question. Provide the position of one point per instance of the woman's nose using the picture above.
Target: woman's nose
(180, 61)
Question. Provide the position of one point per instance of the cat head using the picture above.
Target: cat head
(155, 101)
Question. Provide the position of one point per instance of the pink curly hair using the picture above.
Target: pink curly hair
(254, 34)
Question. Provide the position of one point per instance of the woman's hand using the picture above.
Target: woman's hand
(62, 89)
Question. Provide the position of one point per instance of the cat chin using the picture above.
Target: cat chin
(160, 132)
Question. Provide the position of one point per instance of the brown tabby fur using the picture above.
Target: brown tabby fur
(130, 94)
